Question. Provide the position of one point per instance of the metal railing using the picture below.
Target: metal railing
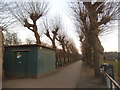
(110, 82)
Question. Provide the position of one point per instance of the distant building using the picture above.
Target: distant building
(111, 55)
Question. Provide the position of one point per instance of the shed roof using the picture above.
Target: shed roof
(28, 45)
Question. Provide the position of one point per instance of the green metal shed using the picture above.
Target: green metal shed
(28, 60)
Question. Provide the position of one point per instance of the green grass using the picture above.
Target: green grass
(114, 63)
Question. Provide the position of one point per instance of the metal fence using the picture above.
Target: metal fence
(109, 81)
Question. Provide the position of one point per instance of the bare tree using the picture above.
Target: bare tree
(28, 13)
(69, 53)
(61, 39)
(72, 51)
(11, 39)
(29, 41)
(52, 31)
(46, 45)
(4, 23)
(92, 17)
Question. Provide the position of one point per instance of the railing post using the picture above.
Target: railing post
(108, 77)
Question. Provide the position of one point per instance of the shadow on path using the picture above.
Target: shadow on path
(87, 79)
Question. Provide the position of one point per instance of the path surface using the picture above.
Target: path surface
(76, 75)
(66, 77)
(87, 79)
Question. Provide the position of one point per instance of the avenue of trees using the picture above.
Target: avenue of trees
(29, 14)
(11, 39)
(90, 20)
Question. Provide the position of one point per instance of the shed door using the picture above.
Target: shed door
(20, 66)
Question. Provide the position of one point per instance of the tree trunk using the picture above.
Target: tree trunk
(98, 55)
(1, 55)
(68, 59)
(89, 58)
(56, 56)
(53, 45)
(64, 53)
(37, 36)
(88, 50)
(91, 61)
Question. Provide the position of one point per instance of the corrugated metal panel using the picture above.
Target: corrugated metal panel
(10, 60)
(40, 59)
(46, 60)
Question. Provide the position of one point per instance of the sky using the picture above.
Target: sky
(58, 7)
(110, 40)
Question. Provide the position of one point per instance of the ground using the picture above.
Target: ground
(75, 75)
(87, 79)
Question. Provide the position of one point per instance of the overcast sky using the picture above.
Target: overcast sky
(109, 41)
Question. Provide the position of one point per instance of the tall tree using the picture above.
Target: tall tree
(4, 23)
(4, 19)
(61, 39)
(29, 41)
(52, 31)
(11, 39)
(28, 13)
(92, 17)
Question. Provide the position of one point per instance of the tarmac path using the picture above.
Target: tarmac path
(66, 77)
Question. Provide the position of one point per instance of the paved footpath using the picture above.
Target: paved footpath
(76, 75)
(87, 79)
(66, 77)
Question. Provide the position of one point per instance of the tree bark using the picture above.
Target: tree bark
(64, 55)
(1, 54)
(88, 50)
(98, 54)
(35, 30)
(94, 39)
(53, 45)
